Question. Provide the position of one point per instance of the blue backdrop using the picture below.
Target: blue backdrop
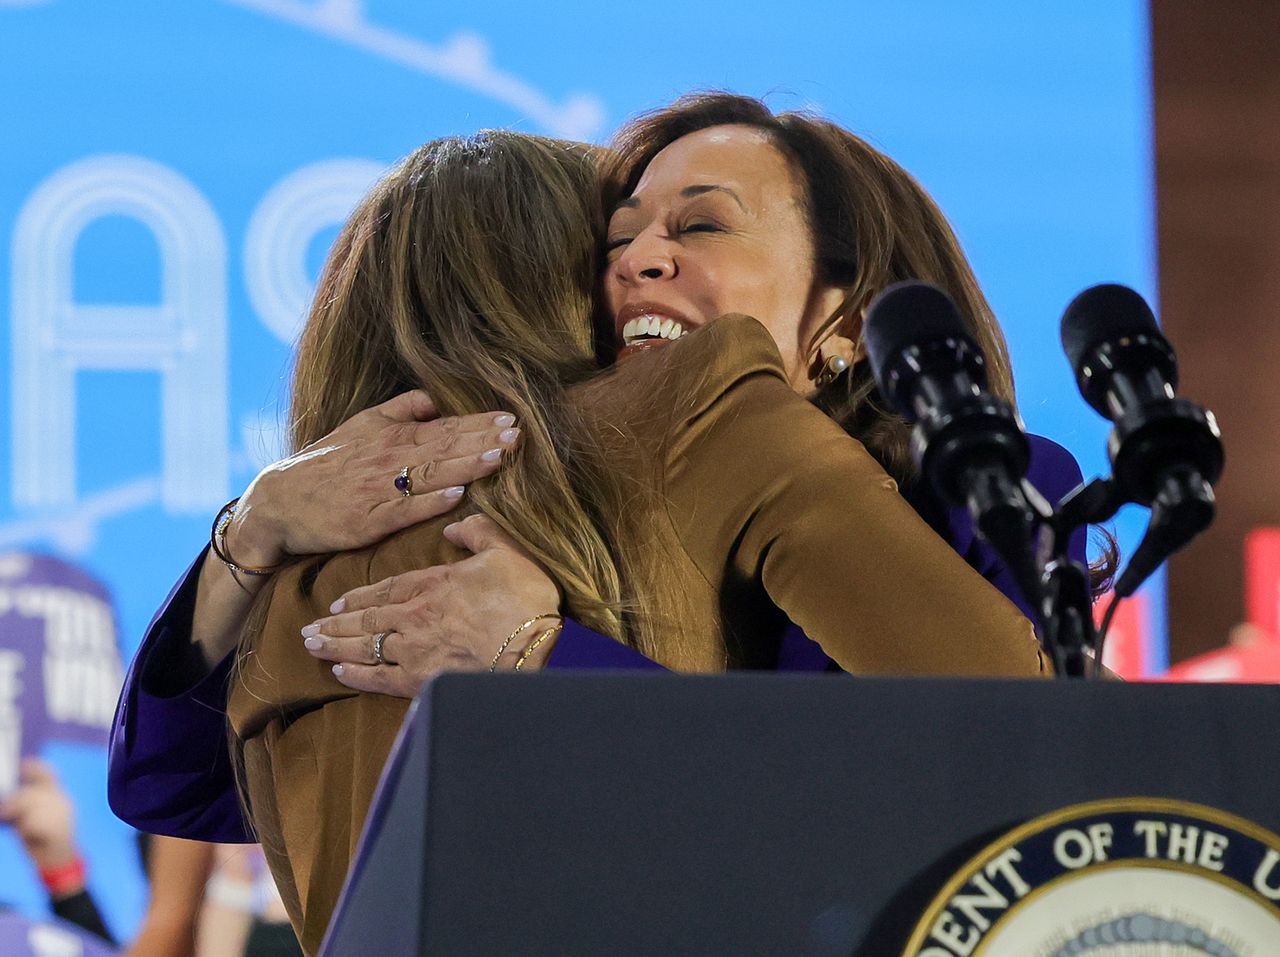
(172, 172)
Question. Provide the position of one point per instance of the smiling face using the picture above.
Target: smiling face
(717, 224)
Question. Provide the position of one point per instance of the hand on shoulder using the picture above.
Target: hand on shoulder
(384, 469)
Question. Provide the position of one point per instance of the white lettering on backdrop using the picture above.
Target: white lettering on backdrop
(281, 230)
(183, 337)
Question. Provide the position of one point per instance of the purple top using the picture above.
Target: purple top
(168, 768)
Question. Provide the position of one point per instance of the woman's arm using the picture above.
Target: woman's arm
(765, 478)
(43, 818)
(168, 771)
(500, 571)
(339, 493)
(177, 874)
(455, 617)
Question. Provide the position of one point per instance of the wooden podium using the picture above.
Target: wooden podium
(630, 814)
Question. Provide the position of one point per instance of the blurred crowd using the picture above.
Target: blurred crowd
(204, 900)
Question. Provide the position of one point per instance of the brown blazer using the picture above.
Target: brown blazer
(756, 496)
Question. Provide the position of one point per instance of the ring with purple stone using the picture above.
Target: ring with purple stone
(403, 483)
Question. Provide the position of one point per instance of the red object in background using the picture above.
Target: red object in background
(1128, 648)
(1262, 580)
(1254, 650)
(1257, 661)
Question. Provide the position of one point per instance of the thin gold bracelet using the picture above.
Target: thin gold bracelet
(218, 541)
(524, 656)
(515, 634)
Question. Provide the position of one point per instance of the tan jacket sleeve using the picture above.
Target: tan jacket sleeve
(757, 474)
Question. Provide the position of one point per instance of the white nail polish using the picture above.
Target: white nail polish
(454, 492)
(491, 456)
(504, 420)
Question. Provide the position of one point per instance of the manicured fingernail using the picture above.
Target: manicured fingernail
(311, 629)
(314, 643)
(337, 671)
(337, 606)
(454, 491)
(507, 436)
(491, 456)
(502, 421)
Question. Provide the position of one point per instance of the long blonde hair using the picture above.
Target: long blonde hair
(469, 272)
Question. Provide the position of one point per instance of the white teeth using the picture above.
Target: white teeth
(654, 327)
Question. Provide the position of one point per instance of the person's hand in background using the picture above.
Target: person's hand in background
(43, 817)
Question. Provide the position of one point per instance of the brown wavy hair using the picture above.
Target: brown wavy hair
(469, 272)
(872, 225)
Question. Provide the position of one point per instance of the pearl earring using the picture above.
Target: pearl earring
(831, 369)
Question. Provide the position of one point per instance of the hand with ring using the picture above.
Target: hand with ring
(384, 469)
(393, 636)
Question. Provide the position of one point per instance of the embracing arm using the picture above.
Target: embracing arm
(167, 771)
(455, 617)
(339, 493)
(810, 513)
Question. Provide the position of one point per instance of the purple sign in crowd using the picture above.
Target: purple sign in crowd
(60, 669)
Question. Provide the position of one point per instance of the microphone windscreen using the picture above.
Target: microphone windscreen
(907, 314)
(1103, 314)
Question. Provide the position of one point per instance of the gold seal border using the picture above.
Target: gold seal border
(1088, 871)
(1073, 812)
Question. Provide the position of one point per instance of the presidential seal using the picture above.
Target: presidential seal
(1132, 877)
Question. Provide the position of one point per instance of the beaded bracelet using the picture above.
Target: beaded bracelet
(550, 632)
(515, 634)
(218, 541)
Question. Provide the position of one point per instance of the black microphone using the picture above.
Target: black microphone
(968, 444)
(1165, 452)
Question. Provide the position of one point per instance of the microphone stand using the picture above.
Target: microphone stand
(1066, 603)
(1183, 506)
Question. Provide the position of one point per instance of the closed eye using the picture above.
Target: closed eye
(616, 242)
